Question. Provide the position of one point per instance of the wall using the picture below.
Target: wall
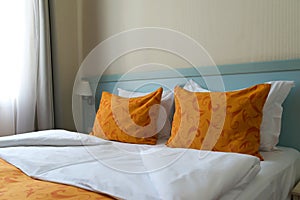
(64, 36)
(232, 31)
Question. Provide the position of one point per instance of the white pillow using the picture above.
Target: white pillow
(192, 86)
(166, 101)
(272, 112)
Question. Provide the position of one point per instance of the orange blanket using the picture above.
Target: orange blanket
(14, 184)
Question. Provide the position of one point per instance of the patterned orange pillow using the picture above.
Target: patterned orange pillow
(219, 121)
(131, 120)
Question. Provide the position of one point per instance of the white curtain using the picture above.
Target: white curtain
(26, 96)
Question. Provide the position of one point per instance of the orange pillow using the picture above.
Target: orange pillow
(219, 121)
(131, 120)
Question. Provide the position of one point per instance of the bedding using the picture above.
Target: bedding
(279, 169)
(14, 184)
(219, 121)
(167, 101)
(279, 173)
(131, 120)
(106, 167)
(272, 111)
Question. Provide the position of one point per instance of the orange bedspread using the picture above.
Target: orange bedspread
(16, 185)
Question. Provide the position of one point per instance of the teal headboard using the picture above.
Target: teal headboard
(234, 76)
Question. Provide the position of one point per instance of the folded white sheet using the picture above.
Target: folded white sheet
(141, 173)
(50, 138)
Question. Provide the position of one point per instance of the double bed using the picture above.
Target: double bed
(59, 164)
(274, 180)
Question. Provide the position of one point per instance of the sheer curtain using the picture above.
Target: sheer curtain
(26, 102)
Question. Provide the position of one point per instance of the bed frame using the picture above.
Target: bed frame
(234, 76)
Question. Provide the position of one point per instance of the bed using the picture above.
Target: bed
(171, 172)
(274, 181)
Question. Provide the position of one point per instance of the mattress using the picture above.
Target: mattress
(279, 172)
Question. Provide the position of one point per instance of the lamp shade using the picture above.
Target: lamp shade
(84, 89)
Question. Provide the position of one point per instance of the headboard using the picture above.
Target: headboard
(234, 76)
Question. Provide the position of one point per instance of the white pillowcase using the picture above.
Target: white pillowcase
(192, 86)
(166, 101)
(272, 112)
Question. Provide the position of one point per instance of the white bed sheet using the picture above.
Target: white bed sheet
(98, 165)
(279, 173)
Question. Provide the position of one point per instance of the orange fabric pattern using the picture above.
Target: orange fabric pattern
(219, 121)
(131, 120)
(14, 184)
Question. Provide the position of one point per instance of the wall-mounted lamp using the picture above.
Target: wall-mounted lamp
(85, 91)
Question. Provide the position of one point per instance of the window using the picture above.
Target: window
(12, 46)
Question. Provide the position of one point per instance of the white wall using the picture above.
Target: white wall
(232, 31)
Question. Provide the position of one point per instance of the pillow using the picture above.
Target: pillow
(272, 112)
(192, 86)
(131, 120)
(166, 101)
(271, 124)
(230, 120)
